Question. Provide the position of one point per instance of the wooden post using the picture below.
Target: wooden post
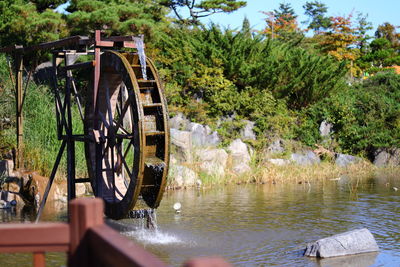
(19, 64)
(84, 214)
(211, 261)
(70, 140)
(39, 259)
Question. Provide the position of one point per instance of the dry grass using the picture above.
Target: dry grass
(313, 173)
(299, 174)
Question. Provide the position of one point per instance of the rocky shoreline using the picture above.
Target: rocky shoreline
(197, 152)
(198, 158)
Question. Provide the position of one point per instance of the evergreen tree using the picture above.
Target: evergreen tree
(201, 9)
(382, 53)
(246, 29)
(22, 22)
(316, 10)
(115, 17)
(282, 23)
(362, 28)
(285, 12)
(388, 31)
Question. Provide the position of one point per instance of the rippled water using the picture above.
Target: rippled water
(257, 225)
(264, 225)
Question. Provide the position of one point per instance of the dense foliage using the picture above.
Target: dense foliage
(252, 77)
(365, 116)
(283, 80)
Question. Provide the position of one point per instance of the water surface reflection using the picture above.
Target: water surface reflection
(257, 225)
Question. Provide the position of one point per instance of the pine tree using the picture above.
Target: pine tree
(388, 31)
(282, 23)
(246, 29)
(22, 22)
(316, 10)
(362, 28)
(115, 17)
(201, 9)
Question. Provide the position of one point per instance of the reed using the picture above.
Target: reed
(294, 174)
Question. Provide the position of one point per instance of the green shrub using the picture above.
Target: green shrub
(365, 116)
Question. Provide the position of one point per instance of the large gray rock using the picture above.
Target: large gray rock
(212, 139)
(199, 133)
(325, 129)
(348, 243)
(387, 157)
(44, 72)
(276, 147)
(240, 156)
(182, 140)
(305, 158)
(343, 160)
(212, 161)
(182, 176)
(202, 135)
(178, 122)
(247, 132)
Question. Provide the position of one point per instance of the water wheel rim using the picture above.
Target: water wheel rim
(151, 132)
(119, 197)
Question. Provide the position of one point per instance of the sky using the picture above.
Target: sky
(379, 11)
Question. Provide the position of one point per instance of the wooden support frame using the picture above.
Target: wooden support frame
(19, 68)
(66, 95)
(18, 52)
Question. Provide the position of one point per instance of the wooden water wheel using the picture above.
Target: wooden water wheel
(126, 135)
(130, 125)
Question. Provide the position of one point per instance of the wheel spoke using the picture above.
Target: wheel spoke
(127, 149)
(124, 162)
(103, 119)
(126, 106)
(122, 128)
(113, 172)
(105, 151)
(109, 109)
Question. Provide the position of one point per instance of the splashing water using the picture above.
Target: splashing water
(147, 231)
(142, 56)
(152, 237)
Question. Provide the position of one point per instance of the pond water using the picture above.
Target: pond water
(265, 225)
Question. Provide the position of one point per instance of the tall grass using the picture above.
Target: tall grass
(41, 145)
(291, 174)
(40, 134)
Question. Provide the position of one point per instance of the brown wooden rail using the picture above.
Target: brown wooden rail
(87, 240)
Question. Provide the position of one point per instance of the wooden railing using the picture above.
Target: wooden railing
(86, 239)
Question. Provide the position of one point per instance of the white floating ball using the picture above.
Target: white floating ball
(177, 206)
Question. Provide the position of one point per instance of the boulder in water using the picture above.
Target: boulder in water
(348, 243)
